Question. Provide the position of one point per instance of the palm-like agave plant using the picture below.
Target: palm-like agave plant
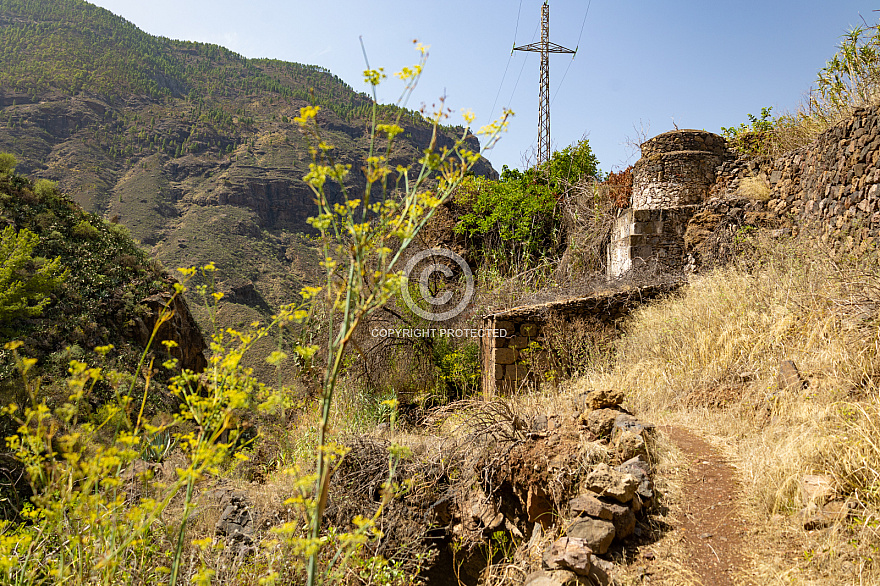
(156, 447)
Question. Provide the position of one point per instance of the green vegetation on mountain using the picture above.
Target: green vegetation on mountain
(71, 47)
(25, 281)
(71, 282)
(78, 456)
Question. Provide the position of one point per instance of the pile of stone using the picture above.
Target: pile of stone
(237, 523)
(609, 497)
(823, 505)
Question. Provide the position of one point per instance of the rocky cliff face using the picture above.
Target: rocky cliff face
(181, 329)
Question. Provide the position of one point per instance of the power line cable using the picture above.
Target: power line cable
(506, 67)
(516, 30)
(535, 34)
(583, 24)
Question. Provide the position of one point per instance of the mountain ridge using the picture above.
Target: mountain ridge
(189, 145)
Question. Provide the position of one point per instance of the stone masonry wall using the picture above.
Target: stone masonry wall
(688, 192)
(517, 343)
(641, 237)
(834, 183)
(674, 176)
(512, 347)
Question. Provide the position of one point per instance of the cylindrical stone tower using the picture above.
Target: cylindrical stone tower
(676, 169)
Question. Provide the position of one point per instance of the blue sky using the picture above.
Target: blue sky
(642, 67)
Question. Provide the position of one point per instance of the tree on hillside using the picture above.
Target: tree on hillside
(25, 281)
(7, 163)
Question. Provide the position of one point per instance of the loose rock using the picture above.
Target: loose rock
(236, 523)
(600, 572)
(816, 516)
(568, 553)
(639, 468)
(790, 378)
(598, 399)
(817, 488)
(596, 533)
(554, 578)
(624, 520)
(626, 422)
(612, 483)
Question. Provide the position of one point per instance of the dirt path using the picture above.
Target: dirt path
(713, 527)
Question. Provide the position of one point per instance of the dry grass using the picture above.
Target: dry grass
(708, 359)
(757, 188)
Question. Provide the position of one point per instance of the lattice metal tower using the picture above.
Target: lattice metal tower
(545, 47)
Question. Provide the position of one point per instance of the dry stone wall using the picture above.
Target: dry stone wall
(834, 184)
(831, 186)
(513, 349)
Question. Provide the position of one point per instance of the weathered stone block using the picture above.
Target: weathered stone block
(568, 553)
(519, 342)
(516, 371)
(612, 483)
(624, 520)
(588, 504)
(596, 533)
(508, 327)
(505, 355)
(817, 488)
(599, 399)
(629, 445)
(790, 378)
(600, 422)
(551, 578)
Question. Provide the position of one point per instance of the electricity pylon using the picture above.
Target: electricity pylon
(545, 47)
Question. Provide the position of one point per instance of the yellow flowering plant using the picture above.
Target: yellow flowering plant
(365, 235)
(100, 515)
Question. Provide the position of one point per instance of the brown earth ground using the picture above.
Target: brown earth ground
(712, 529)
(710, 537)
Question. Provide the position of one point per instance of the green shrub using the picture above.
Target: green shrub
(516, 222)
(25, 282)
(459, 367)
(45, 188)
(85, 230)
(7, 163)
(753, 139)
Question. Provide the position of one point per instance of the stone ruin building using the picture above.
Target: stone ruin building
(671, 182)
